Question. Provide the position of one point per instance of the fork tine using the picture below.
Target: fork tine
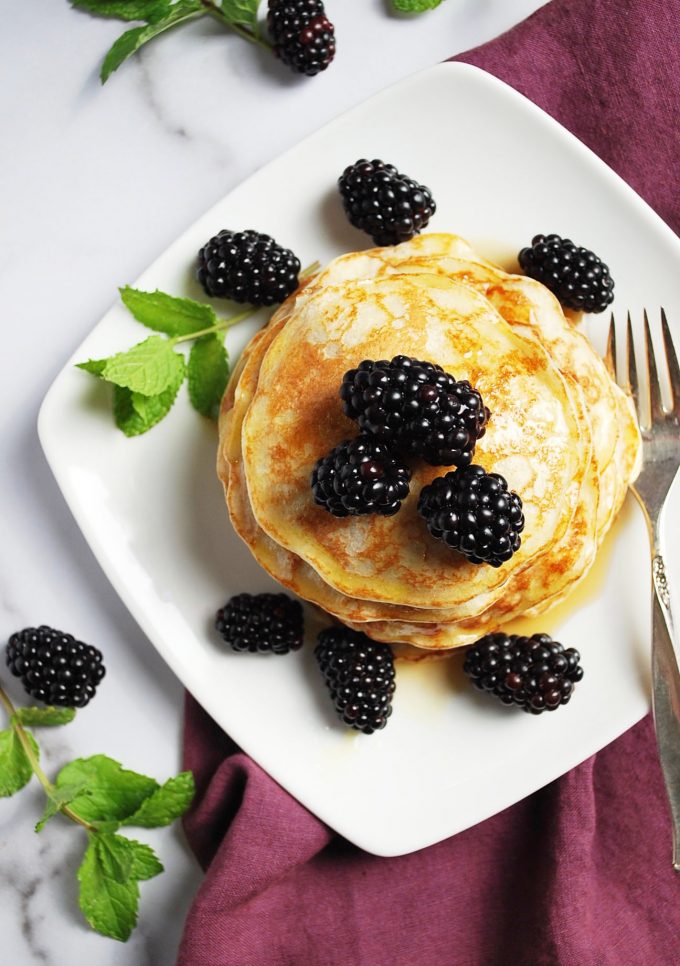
(655, 404)
(633, 385)
(610, 355)
(672, 363)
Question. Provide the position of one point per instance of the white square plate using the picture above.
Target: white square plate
(153, 512)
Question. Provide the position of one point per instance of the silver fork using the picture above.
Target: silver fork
(660, 462)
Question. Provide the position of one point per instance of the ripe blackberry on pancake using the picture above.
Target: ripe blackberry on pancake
(358, 476)
(423, 410)
(473, 512)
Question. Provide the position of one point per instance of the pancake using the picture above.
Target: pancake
(295, 417)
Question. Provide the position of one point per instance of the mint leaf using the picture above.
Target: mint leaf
(166, 313)
(95, 366)
(132, 40)
(145, 862)
(15, 768)
(208, 374)
(114, 793)
(149, 10)
(148, 368)
(415, 6)
(241, 12)
(60, 796)
(136, 414)
(167, 803)
(115, 855)
(109, 905)
(44, 716)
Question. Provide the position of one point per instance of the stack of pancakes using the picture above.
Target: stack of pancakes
(561, 432)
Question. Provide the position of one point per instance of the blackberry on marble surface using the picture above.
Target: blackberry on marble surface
(54, 667)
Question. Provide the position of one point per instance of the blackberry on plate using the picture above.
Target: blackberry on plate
(360, 475)
(54, 667)
(536, 673)
(261, 623)
(474, 512)
(247, 266)
(304, 37)
(359, 674)
(578, 278)
(386, 204)
(418, 406)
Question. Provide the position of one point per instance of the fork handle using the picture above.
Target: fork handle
(666, 689)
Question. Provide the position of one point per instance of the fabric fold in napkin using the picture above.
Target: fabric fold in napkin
(579, 873)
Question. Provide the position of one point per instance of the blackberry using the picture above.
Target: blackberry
(261, 623)
(418, 406)
(535, 672)
(578, 278)
(304, 37)
(386, 204)
(359, 674)
(473, 512)
(54, 667)
(359, 476)
(247, 266)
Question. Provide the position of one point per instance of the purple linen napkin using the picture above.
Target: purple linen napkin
(579, 873)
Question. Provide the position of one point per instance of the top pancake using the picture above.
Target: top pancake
(296, 416)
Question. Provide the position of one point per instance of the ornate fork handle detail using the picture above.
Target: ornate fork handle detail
(661, 581)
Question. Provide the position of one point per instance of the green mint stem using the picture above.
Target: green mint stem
(33, 761)
(250, 35)
(310, 270)
(218, 327)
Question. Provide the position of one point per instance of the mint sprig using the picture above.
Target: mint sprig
(148, 377)
(101, 796)
(158, 16)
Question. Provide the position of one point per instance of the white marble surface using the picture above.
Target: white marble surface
(94, 183)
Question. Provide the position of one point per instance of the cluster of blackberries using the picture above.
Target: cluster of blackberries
(358, 672)
(534, 673)
(409, 408)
